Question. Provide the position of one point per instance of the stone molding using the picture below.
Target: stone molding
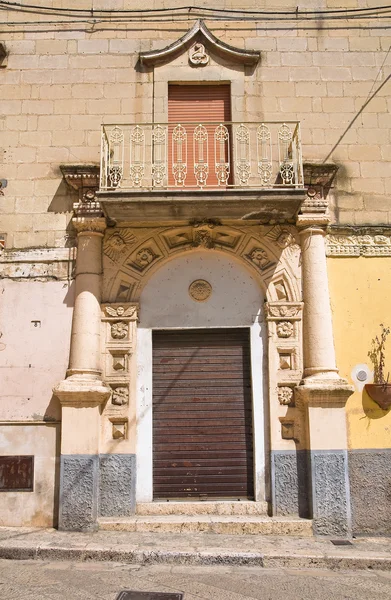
(368, 242)
(199, 33)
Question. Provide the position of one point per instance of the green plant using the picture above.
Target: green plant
(377, 356)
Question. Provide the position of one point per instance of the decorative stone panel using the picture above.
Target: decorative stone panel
(119, 322)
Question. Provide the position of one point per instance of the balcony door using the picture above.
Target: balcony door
(199, 142)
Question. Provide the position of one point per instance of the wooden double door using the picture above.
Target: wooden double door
(202, 414)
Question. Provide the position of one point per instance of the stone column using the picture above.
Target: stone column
(319, 354)
(322, 394)
(83, 392)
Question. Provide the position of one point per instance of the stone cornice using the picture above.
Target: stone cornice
(199, 32)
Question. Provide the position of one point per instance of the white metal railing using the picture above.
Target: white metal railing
(201, 155)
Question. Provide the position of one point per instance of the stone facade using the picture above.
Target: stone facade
(85, 269)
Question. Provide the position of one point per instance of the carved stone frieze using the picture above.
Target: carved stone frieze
(275, 311)
(122, 312)
(359, 242)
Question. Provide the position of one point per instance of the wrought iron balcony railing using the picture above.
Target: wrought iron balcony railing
(198, 156)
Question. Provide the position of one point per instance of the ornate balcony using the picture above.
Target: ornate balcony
(191, 168)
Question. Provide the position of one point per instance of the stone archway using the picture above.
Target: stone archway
(166, 303)
(269, 256)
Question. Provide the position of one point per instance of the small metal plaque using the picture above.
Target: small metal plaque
(16, 473)
(132, 595)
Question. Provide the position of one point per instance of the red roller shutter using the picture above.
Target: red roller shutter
(198, 104)
(202, 414)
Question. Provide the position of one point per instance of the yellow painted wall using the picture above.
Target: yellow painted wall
(360, 291)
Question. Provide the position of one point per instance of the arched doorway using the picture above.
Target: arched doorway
(209, 299)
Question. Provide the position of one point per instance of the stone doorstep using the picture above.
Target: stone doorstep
(202, 508)
(224, 524)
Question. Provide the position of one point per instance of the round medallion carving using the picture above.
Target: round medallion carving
(200, 290)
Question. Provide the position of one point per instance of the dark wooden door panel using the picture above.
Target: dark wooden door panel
(202, 415)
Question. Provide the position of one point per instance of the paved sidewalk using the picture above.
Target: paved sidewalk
(194, 549)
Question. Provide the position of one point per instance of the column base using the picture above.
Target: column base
(323, 401)
(81, 397)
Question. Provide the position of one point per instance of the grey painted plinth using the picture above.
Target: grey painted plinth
(370, 484)
(290, 482)
(117, 485)
(78, 493)
(330, 492)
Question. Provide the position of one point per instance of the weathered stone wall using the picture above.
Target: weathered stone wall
(62, 81)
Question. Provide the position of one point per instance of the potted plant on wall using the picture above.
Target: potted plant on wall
(380, 389)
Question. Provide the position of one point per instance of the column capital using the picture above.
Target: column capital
(308, 222)
(88, 225)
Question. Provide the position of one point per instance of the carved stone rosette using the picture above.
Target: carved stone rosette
(119, 322)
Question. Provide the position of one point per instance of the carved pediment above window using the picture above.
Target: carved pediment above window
(200, 36)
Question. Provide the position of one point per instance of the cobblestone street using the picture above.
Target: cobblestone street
(45, 580)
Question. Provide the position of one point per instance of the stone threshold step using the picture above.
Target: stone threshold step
(224, 524)
(210, 507)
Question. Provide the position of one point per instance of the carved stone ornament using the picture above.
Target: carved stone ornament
(286, 310)
(285, 395)
(198, 55)
(203, 238)
(281, 236)
(89, 225)
(117, 243)
(259, 258)
(284, 329)
(120, 311)
(144, 257)
(200, 290)
(120, 396)
(119, 330)
(361, 243)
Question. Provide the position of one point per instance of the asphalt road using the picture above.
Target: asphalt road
(43, 580)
